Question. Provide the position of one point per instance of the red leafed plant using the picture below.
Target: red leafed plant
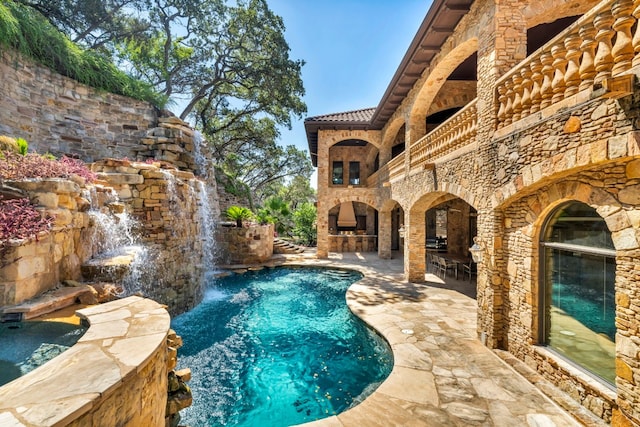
(31, 165)
(20, 220)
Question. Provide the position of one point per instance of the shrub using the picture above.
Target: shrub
(8, 144)
(20, 220)
(305, 219)
(23, 146)
(239, 214)
(15, 166)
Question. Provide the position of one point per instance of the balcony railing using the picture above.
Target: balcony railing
(396, 167)
(458, 131)
(596, 47)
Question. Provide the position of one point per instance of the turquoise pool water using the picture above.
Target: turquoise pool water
(26, 345)
(278, 347)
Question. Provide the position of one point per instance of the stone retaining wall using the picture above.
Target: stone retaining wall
(59, 115)
(245, 245)
(32, 266)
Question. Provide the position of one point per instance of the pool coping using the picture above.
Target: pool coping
(122, 337)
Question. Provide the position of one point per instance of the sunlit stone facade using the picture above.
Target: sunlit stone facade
(501, 115)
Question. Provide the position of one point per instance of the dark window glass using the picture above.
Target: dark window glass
(337, 173)
(354, 173)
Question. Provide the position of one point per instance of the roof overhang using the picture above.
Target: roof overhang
(439, 23)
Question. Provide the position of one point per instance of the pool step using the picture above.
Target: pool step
(283, 247)
(111, 267)
(47, 303)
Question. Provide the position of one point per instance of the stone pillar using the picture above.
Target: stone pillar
(501, 45)
(385, 154)
(415, 263)
(323, 195)
(384, 234)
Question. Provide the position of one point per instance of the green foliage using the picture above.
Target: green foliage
(25, 30)
(276, 211)
(305, 223)
(239, 214)
(23, 146)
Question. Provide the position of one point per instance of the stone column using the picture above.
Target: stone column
(415, 263)
(501, 45)
(384, 234)
(323, 195)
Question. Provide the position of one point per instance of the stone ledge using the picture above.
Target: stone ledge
(82, 378)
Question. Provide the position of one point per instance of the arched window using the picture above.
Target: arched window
(578, 298)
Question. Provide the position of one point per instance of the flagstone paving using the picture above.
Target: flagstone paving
(443, 375)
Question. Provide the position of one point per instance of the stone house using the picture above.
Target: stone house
(513, 121)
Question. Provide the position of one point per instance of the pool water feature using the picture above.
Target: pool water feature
(25, 346)
(278, 347)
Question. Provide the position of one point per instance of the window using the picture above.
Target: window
(578, 275)
(337, 173)
(354, 173)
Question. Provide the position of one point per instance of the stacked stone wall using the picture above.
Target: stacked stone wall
(167, 204)
(245, 245)
(32, 266)
(59, 115)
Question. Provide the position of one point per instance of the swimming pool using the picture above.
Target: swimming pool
(26, 345)
(278, 347)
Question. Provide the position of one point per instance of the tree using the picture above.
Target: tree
(227, 62)
(277, 212)
(297, 191)
(95, 24)
(305, 223)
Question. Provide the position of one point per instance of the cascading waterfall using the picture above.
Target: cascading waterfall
(208, 209)
(113, 226)
(114, 234)
(207, 226)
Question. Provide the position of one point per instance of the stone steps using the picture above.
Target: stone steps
(283, 247)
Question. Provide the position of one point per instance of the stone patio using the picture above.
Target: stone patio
(443, 375)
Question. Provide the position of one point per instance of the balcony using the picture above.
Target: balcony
(588, 54)
(458, 131)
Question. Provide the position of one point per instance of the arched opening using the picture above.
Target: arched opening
(578, 289)
(351, 162)
(540, 34)
(353, 227)
(398, 144)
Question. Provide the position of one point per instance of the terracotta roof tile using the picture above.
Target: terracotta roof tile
(361, 116)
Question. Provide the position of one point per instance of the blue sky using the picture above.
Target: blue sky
(351, 48)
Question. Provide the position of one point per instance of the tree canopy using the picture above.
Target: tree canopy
(223, 65)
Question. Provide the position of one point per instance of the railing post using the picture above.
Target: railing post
(508, 109)
(588, 48)
(502, 101)
(572, 75)
(559, 63)
(546, 90)
(536, 91)
(526, 85)
(636, 36)
(623, 49)
(603, 59)
(517, 98)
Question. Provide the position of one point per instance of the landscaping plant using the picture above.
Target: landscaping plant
(239, 214)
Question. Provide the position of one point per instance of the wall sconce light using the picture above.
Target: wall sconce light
(401, 231)
(476, 251)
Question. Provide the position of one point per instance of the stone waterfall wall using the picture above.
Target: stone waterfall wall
(168, 205)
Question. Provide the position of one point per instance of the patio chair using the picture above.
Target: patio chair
(444, 265)
(469, 268)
